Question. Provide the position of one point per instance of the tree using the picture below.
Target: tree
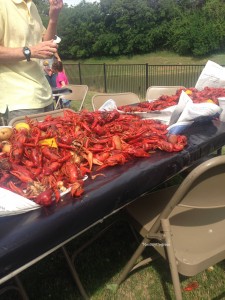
(201, 32)
(127, 27)
(79, 28)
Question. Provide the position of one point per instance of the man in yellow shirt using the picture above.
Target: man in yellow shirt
(24, 90)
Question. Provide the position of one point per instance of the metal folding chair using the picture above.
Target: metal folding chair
(184, 224)
(78, 94)
(154, 92)
(120, 98)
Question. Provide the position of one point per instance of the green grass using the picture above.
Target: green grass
(133, 77)
(155, 58)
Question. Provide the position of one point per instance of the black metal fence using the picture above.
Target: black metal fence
(136, 78)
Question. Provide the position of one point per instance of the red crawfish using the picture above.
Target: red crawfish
(45, 198)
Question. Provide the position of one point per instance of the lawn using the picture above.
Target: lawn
(136, 73)
(155, 58)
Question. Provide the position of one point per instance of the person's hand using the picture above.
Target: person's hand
(44, 50)
(55, 8)
(50, 72)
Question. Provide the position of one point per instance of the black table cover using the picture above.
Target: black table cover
(27, 236)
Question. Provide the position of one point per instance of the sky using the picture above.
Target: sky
(75, 2)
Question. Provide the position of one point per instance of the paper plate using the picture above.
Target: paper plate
(14, 204)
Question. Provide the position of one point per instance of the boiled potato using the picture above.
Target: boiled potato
(6, 147)
(5, 133)
(22, 125)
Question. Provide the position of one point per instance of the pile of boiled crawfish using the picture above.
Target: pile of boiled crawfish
(56, 154)
(208, 94)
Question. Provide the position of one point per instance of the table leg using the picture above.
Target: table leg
(74, 274)
(21, 288)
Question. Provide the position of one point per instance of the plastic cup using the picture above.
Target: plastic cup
(57, 39)
(221, 102)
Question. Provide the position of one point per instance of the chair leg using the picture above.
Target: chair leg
(172, 259)
(59, 104)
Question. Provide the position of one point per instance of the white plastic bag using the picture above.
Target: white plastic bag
(109, 105)
(213, 75)
(188, 112)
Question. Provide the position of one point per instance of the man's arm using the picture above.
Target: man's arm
(42, 50)
(54, 10)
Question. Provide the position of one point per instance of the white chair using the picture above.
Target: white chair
(154, 92)
(120, 98)
(78, 94)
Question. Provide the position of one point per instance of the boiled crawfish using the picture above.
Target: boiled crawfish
(60, 151)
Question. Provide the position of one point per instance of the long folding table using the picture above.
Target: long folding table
(28, 237)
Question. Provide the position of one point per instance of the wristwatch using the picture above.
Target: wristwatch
(27, 53)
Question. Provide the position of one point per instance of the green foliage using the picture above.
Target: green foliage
(199, 33)
(129, 27)
(106, 44)
(79, 28)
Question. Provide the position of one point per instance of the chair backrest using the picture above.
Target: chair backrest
(40, 116)
(194, 219)
(78, 94)
(120, 98)
(203, 188)
(154, 92)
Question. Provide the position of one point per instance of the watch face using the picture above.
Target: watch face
(27, 53)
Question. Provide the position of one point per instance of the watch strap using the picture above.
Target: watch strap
(27, 53)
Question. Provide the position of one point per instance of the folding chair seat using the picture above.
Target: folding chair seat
(154, 92)
(184, 224)
(120, 98)
(78, 95)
